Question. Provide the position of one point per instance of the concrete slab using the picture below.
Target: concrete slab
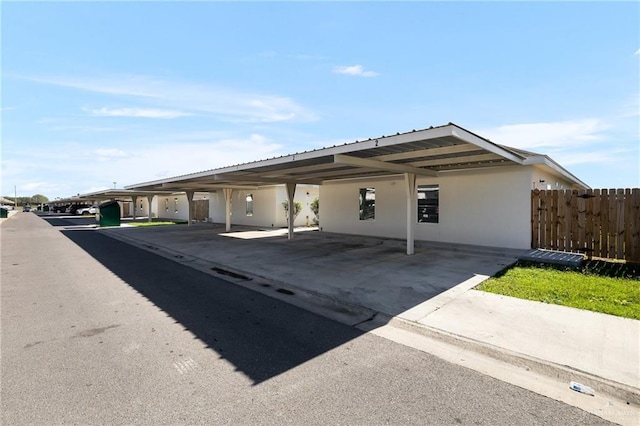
(603, 345)
(371, 272)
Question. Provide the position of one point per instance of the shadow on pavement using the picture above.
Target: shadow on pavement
(262, 337)
(66, 220)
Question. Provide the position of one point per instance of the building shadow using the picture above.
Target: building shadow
(261, 336)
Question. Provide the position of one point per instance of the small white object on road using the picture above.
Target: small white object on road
(579, 387)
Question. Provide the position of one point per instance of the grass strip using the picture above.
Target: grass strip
(608, 295)
(142, 224)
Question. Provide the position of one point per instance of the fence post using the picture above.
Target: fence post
(635, 225)
(535, 218)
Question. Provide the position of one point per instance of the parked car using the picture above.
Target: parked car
(87, 210)
(26, 208)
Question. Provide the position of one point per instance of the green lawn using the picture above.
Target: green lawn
(609, 295)
(152, 223)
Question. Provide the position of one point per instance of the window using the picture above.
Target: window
(249, 200)
(428, 203)
(175, 204)
(166, 205)
(367, 200)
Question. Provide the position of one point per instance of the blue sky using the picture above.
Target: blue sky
(127, 92)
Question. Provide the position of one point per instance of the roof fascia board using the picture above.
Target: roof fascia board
(381, 165)
(547, 161)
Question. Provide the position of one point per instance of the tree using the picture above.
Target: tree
(315, 208)
(297, 208)
(39, 199)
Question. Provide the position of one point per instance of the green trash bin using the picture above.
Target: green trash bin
(109, 213)
(4, 213)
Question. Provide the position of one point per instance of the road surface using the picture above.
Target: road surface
(95, 331)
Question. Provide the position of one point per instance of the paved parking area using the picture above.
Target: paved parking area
(371, 272)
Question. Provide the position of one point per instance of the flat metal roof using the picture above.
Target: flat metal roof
(427, 152)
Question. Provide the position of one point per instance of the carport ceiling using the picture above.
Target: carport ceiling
(119, 194)
(425, 152)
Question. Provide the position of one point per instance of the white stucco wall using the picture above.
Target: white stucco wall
(267, 206)
(165, 207)
(489, 207)
(142, 207)
(544, 179)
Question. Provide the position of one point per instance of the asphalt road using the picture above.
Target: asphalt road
(95, 331)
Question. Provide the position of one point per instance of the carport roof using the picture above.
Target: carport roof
(126, 194)
(427, 152)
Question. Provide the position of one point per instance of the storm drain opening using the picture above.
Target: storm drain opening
(285, 291)
(265, 285)
(230, 274)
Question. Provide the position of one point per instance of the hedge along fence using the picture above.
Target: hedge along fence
(598, 222)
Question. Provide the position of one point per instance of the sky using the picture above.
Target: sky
(102, 94)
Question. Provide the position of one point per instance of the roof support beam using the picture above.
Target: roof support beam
(200, 187)
(458, 160)
(443, 150)
(261, 179)
(381, 165)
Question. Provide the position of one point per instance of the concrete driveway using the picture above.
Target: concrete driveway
(364, 271)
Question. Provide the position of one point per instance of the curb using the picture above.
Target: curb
(368, 319)
(563, 373)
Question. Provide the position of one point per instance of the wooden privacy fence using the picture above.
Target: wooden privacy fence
(200, 210)
(598, 222)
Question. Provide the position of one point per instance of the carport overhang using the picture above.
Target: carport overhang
(128, 195)
(429, 152)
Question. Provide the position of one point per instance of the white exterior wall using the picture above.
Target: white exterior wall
(140, 212)
(489, 207)
(550, 181)
(165, 207)
(267, 206)
(305, 196)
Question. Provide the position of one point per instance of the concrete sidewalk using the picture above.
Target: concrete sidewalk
(431, 293)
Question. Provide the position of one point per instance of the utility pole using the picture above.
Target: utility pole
(15, 197)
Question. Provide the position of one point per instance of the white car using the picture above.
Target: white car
(88, 210)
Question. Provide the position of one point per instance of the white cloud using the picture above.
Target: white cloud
(137, 113)
(109, 154)
(205, 99)
(85, 129)
(45, 188)
(74, 167)
(355, 70)
(591, 142)
(637, 52)
(559, 135)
